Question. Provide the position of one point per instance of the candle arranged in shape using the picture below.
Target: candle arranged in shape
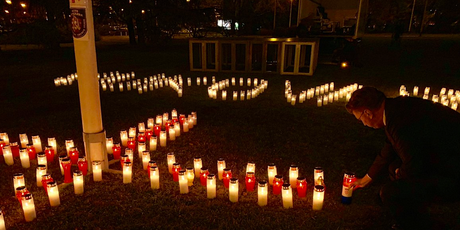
(124, 137)
(233, 190)
(197, 165)
(220, 167)
(293, 174)
(53, 194)
(227, 175)
(127, 172)
(18, 181)
(175, 171)
(154, 177)
(163, 138)
(41, 170)
(211, 186)
(49, 152)
(28, 207)
(153, 143)
(287, 196)
(37, 143)
(78, 182)
(262, 193)
(318, 197)
(183, 182)
(83, 165)
(250, 181)
(251, 167)
(24, 155)
(8, 156)
(74, 154)
(45, 179)
(277, 184)
(301, 186)
(271, 173)
(171, 160)
(97, 170)
(204, 176)
(66, 165)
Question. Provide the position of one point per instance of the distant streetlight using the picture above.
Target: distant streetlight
(8, 2)
(290, 14)
(130, 1)
(6, 11)
(188, 0)
(143, 11)
(23, 5)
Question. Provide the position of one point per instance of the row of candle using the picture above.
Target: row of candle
(325, 93)
(450, 99)
(65, 80)
(250, 93)
(26, 151)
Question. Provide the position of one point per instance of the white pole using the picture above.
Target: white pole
(88, 87)
(411, 16)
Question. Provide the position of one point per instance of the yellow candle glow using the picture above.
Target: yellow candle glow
(5, 138)
(127, 172)
(153, 143)
(41, 159)
(183, 182)
(220, 167)
(318, 175)
(141, 127)
(293, 174)
(185, 126)
(177, 129)
(154, 177)
(197, 165)
(211, 186)
(272, 172)
(172, 134)
(224, 95)
(163, 138)
(53, 194)
(415, 92)
(318, 197)
(427, 90)
(36, 141)
(190, 176)
(24, 155)
(145, 159)
(287, 196)
(78, 182)
(205, 80)
(242, 95)
(171, 159)
(41, 170)
(8, 156)
(109, 144)
(159, 120)
(140, 148)
(68, 144)
(124, 138)
(150, 123)
(24, 140)
(28, 207)
(262, 193)
(251, 167)
(18, 181)
(2, 221)
(233, 189)
(132, 132)
(241, 81)
(97, 170)
(319, 101)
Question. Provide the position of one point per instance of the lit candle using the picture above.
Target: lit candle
(287, 196)
(132, 132)
(241, 81)
(19, 180)
(271, 173)
(154, 177)
(24, 140)
(233, 81)
(318, 197)
(318, 175)
(14, 147)
(250, 181)
(124, 158)
(124, 137)
(116, 150)
(197, 165)
(41, 170)
(132, 143)
(163, 138)
(2, 221)
(159, 120)
(347, 189)
(74, 154)
(205, 80)
(83, 165)
(175, 171)
(183, 182)
(66, 165)
(415, 90)
(293, 174)
(53, 194)
(242, 95)
(127, 172)
(182, 119)
(28, 207)
(145, 159)
(171, 159)
(68, 144)
(331, 86)
(233, 190)
(97, 171)
(301, 186)
(190, 176)
(165, 118)
(227, 175)
(224, 95)
(220, 167)
(78, 182)
(293, 99)
(153, 144)
(251, 167)
(319, 101)
(140, 149)
(211, 186)
(172, 134)
(204, 176)
(8, 156)
(31, 151)
(185, 126)
(277, 184)
(24, 155)
(262, 193)
(109, 144)
(36, 141)
(150, 123)
(235, 95)
(45, 179)
(49, 152)
(427, 90)
(141, 127)
(5, 138)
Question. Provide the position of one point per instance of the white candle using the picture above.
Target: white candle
(5, 138)
(140, 149)
(183, 182)
(171, 160)
(319, 101)
(150, 123)
(220, 167)
(129, 153)
(325, 100)
(132, 132)
(235, 95)
(197, 165)
(241, 81)
(293, 99)
(24, 140)
(177, 128)
(331, 86)
(159, 120)
(242, 95)
(287, 196)
(145, 159)
(318, 175)
(415, 90)
(124, 137)
(172, 134)
(154, 177)
(262, 193)
(2, 221)
(60, 165)
(8, 155)
(165, 118)
(78, 182)
(336, 96)
(271, 173)
(24, 155)
(326, 87)
(36, 141)
(153, 143)
(233, 81)
(68, 144)
(97, 171)
(41, 159)
(198, 81)
(41, 170)
(233, 189)
(185, 126)
(141, 127)
(248, 81)
(318, 197)
(293, 174)
(53, 194)
(211, 186)
(28, 207)
(251, 167)
(18, 180)
(194, 118)
(205, 80)
(224, 95)
(163, 138)
(190, 176)
(127, 172)
(109, 144)
(189, 81)
(427, 90)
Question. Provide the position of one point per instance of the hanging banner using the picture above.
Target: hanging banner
(79, 24)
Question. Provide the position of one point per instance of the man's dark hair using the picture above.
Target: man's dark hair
(365, 98)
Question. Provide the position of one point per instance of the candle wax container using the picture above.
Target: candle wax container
(197, 165)
(97, 170)
(53, 194)
(41, 170)
(250, 181)
(127, 172)
(190, 176)
(233, 190)
(31, 151)
(262, 193)
(175, 171)
(220, 167)
(183, 182)
(18, 181)
(49, 151)
(301, 186)
(271, 173)
(78, 182)
(83, 165)
(66, 165)
(211, 186)
(318, 197)
(73, 154)
(28, 207)
(204, 176)
(227, 175)
(45, 179)
(154, 177)
(287, 196)
(277, 184)
(293, 174)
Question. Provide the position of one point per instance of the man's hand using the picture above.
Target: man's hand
(361, 182)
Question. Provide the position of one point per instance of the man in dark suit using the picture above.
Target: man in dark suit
(422, 153)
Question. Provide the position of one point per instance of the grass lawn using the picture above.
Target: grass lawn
(265, 130)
